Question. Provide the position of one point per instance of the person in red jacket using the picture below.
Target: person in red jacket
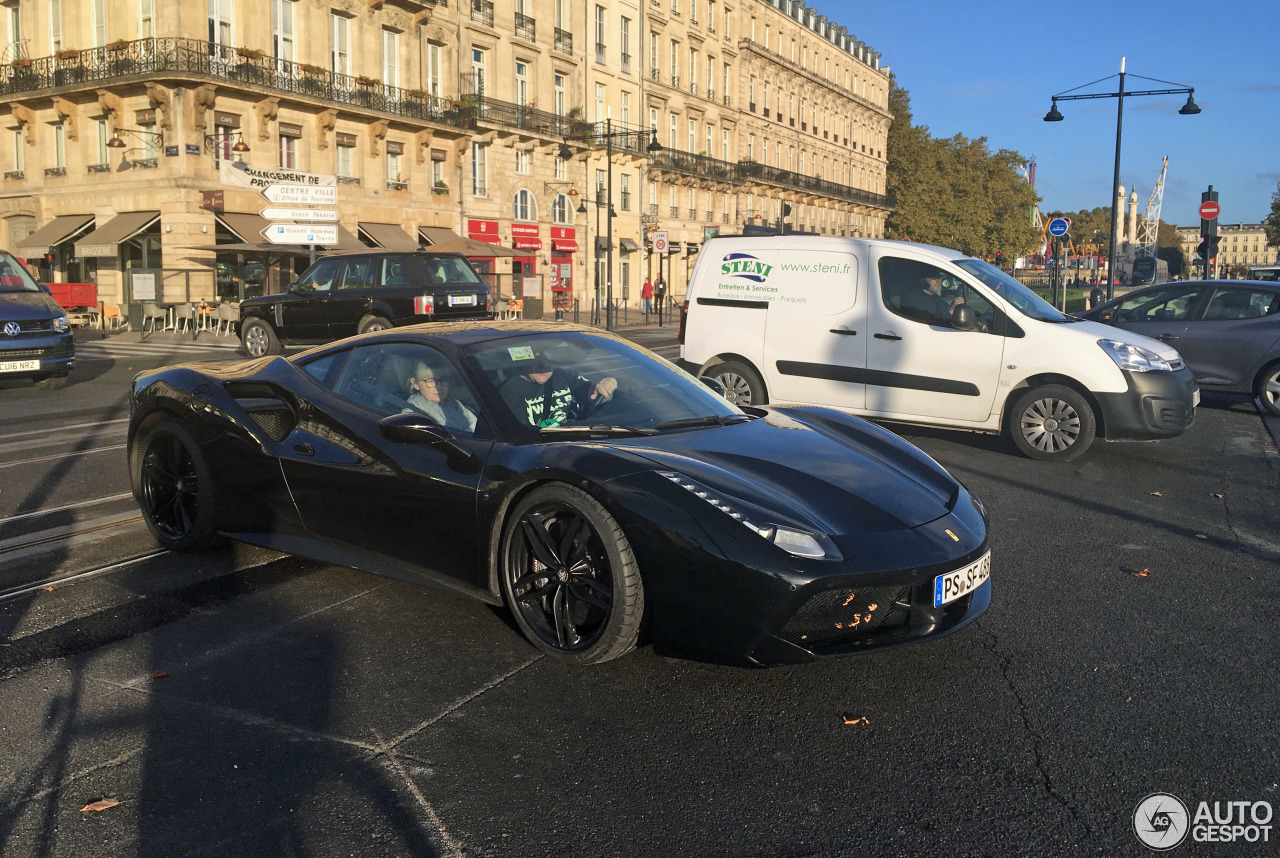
(646, 297)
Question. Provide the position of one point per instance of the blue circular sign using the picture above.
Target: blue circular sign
(1058, 226)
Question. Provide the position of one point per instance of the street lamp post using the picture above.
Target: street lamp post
(1188, 109)
(565, 154)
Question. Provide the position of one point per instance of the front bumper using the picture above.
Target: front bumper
(1156, 405)
(55, 352)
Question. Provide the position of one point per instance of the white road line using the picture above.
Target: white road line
(53, 441)
(40, 512)
(63, 456)
(98, 424)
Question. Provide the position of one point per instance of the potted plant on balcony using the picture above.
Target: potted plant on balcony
(69, 69)
(248, 66)
(369, 91)
(314, 78)
(440, 189)
(462, 111)
(120, 62)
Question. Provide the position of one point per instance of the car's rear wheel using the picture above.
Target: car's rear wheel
(1268, 388)
(742, 384)
(369, 324)
(569, 576)
(258, 339)
(51, 382)
(1052, 423)
(175, 487)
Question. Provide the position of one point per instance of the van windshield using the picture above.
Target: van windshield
(1027, 302)
(14, 277)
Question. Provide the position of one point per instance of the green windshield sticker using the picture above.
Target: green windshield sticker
(521, 352)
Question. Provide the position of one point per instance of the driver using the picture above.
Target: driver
(928, 300)
(546, 396)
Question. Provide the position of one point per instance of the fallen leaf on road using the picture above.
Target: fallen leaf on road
(1145, 573)
(1128, 700)
(853, 721)
(1217, 495)
(47, 589)
(100, 805)
(1156, 494)
(158, 674)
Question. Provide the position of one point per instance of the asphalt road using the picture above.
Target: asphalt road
(244, 703)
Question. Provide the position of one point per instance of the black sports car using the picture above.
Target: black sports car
(591, 486)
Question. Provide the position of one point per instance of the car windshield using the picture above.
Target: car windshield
(1023, 299)
(450, 270)
(558, 381)
(14, 277)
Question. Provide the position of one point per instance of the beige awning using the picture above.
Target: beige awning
(52, 233)
(105, 240)
(388, 236)
(247, 227)
(629, 245)
(347, 241)
(442, 240)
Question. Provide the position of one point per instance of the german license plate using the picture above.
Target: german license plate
(962, 582)
(462, 300)
(19, 365)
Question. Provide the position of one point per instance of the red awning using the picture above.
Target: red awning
(526, 243)
(564, 244)
(487, 239)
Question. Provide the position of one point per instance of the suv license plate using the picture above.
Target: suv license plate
(962, 582)
(19, 365)
(462, 300)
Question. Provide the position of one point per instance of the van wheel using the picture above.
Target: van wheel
(258, 339)
(1052, 423)
(1268, 388)
(742, 386)
(369, 324)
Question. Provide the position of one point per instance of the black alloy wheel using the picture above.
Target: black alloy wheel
(175, 488)
(570, 578)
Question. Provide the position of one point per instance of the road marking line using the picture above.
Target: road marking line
(39, 512)
(450, 843)
(58, 582)
(62, 428)
(64, 456)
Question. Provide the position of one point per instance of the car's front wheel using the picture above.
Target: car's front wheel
(1052, 423)
(1268, 388)
(175, 487)
(569, 576)
(742, 384)
(258, 339)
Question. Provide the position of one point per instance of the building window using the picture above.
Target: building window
(523, 159)
(751, 147)
(600, 102)
(653, 55)
(345, 157)
(222, 142)
(671, 140)
(524, 206)
(340, 44)
(559, 168)
(394, 173)
(19, 154)
(479, 170)
(560, 209)
(522, 83)
(15, 28)
(599, 187)
(433, 69)
(283, 26)
(104, 137)
(391, 58)
(724, 144)
(693, 135)
(288, 153)
(626, 109)
(437, 172)
(559, 94)
(626, 192)
(55, 26)
(59, 146)
(150, 140)
(626, 45)
(219, 23)
(599, 34)
(478, 58)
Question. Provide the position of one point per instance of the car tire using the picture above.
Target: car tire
(569, 576)
(742, 384)
(258, 339)
(175, 487)
(52, 382)
(1267, 388)
(1052, 423)
(371, 323)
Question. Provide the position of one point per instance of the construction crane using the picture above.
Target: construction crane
(1150, 225)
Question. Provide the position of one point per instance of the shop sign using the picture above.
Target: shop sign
(212, 200)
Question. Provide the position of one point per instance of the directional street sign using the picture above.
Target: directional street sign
(660, 239)
(1058, 226)
(301, 233)
(300, 195)
(1209, 210)
(312, 215)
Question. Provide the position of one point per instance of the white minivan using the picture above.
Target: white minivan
(919, 334)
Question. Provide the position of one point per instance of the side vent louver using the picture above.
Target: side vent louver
(266, 408)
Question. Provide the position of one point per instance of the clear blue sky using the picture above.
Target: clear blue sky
(989, 69)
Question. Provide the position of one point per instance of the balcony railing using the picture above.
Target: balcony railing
(99, 168)
(397, 186)
(653, 207)
(711, 217)
(564, 41)
(766, 113)
(706, 167)
(348, 180)
(482, 12)
(727, 101)
(526, 27)
(146, 163)
(675, 81)
(15, 174)
(55, 171)
(693, 87)
(675, 211)
(626, 63)
(600, 53)
(654, 73)
(724, 217)
(693, 214)
(711, 95)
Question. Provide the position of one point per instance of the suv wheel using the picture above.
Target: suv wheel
(258, 339)
(369, 324)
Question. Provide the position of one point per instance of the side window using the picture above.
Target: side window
(322, 368)
(1241, 304)
(391, 378)
(1171, 304)
(320, 276)
(354, 273)
(390, 272)
(914, 290)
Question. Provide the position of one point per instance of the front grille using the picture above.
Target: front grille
(1175, 365)
(65, 350)
(27, 326)
(835, 617)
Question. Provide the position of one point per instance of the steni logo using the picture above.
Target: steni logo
(746, 267)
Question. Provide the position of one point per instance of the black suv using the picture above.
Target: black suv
(354, 293)
(35, 338)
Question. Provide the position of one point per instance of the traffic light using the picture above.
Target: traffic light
(786, 210)
(999, 260)
(1209, 247)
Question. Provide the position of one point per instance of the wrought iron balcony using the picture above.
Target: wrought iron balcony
(654, 73)
(693, 214)
(397, 186)
(675, 211)
(626, 63)
(711, 95)
(675, 81)
(146, 163)
(15, 174)
(526, 27)
(55, 171)
(727, 101)
(653, 207)
(99, 168)
(693, 87)
(348, 180)
(563, 41)
(711, 217)
(482, 12)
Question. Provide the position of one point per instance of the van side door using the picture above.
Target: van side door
(919, 364)
(815, 330)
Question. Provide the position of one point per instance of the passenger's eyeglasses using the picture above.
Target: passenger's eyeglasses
(435, 382)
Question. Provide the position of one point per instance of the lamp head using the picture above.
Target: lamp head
(565, 152)
(582, 207)
(240, 145)
(115, 142)
(654, 145)
(1190, 108)
(1053, 115)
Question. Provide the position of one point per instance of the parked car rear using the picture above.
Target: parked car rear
(355, 293)
(35, 337)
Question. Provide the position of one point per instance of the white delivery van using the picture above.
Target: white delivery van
(919, 334)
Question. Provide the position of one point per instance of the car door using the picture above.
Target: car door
(918, 364)
(304, 312)
(350, 298)
(1161, 312)
(815, 329)
(414, 504)
(1230, 335)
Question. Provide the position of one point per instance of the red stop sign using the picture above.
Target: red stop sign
(1209, 210)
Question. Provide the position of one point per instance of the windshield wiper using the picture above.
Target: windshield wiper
(709, 420)
(596, 430)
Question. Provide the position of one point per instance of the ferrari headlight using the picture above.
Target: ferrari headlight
(790, 540)
(60, 325)
(1133, 358)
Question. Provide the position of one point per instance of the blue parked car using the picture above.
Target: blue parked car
(35, 337)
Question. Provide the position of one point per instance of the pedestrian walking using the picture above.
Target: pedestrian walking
(646, 299)
(660, 293)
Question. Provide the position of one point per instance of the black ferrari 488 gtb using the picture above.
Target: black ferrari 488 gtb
(592, 487)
